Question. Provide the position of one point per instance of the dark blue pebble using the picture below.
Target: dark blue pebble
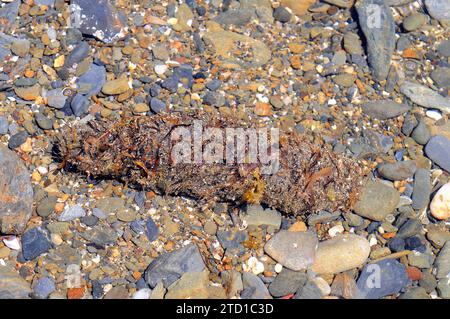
(137, 227)
(152, 230)
(78, 54)
(17, 139)
(157, 105)
(214, 85)
(80, 105)
(396, 244)
(35, 243)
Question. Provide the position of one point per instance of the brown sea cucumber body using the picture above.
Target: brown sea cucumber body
(138, 150)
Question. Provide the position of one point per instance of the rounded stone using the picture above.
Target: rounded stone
(440, 204)
(294, 250)
(341, 253)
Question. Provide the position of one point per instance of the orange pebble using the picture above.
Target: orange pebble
(75, 293)
(414, 273)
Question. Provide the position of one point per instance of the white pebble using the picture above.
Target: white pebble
(278, 268)
(338, 229)
(254, 265)
(322, 285)
(434, 114)
(440, 205)
(160, 69)
(143, 293)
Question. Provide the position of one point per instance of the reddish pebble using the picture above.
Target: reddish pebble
(414, 273)
(75, 293)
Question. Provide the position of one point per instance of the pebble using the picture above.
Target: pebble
(35, 243)
(72, 213)
(424, 96)
(415, 293)
(422, 189)
(438, 150)
(442, 262)
(384, 109)
(294, 250)
(43, 122)
(79, 105)
(3, 125)
(254, 288)
(414, 21)
(256, 215)
(381, 279)
(440, 205)
(152, 230)
(12, 285)
(157, 106)
(169, 267)
(287, 282)
(98, 18)
(143, 293)
(44, 287)
(398, 171)
(421, 133)
(345, 286)
(380, 38)
(78, 54)
(17, 197)
(309, 291)
(439, 9)
(117, 86)
(282, 15)
(441, 76)
(341, 253)
(20, 47)
(377, 200)
(92, 81)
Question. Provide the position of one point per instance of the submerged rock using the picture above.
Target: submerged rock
(377, 24)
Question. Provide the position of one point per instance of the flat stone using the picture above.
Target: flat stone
(341, 253)
(298, 7)
(8, 14)
(12, 285)
(309, 291)
(425, 97)
(377, 200)
(441, 76)
(287, 282)
(442, 262)
(16, 198)
(98, 18)
(422, 189)
(100, 236)
(226, 42)
(438, 150)
(191, 285)
(384, 109)
(341, 3)
(398, 171)
(345, 286)
(35, 243)
(92, 81)
(294, 250)
(80, 105)
(117, 86)
(381, 279)
(20, 47)
(439, 9)
(30, 93)
(43, 288)
(256, 215)
(415, 293)
(379, 34)
(169, 267)
(254, 288)
(72, 213)
(56, 98)
(78, 54)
